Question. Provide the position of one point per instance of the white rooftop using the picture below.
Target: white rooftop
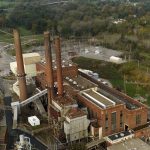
(33, 120)
(27, 55)
(132, 144)
(98, 98)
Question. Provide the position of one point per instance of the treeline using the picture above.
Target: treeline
(77, 18)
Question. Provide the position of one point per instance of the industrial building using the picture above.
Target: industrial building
(30, 60)
(80, 103)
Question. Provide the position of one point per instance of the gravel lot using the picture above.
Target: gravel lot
(99, 52)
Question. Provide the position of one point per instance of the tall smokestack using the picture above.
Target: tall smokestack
(20, 66)
(49, 66)
(59, 66)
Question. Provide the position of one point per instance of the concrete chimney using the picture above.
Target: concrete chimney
(49, 66)
(59, 66)
(20, 66)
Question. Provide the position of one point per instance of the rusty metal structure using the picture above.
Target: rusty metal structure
(59, 66)
(20, 66)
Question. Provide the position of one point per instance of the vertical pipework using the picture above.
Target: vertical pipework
(20, 66)
(49, 66)
(59, 66)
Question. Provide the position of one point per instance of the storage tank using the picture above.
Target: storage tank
(21, 139)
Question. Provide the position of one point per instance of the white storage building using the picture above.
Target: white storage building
(116, 60)
(33, 121)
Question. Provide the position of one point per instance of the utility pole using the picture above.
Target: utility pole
(138, 64)
(124, 84)
(130, 54)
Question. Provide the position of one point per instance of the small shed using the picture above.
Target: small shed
(33, 121)
(115, 59)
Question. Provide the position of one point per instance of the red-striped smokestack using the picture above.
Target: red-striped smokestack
(59, 66)
(49, 66)
(20, 66)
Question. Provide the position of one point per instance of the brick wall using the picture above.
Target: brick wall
(109, 111)
(100, 114)
(143, 132)
(70, 71)
(54, 113)
(130, 118)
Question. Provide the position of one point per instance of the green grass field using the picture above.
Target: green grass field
(4, 4)
(5, 38)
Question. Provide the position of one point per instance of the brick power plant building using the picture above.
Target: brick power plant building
(82, 104)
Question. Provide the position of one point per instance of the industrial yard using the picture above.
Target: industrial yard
(60, 104)
(74, 75)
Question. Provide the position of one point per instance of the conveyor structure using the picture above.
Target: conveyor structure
(17, 105)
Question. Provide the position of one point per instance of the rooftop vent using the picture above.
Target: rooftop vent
(67, 78)
(82, 87)
(116, 136)
(74, 82)
(122, 134)
(70, 80)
